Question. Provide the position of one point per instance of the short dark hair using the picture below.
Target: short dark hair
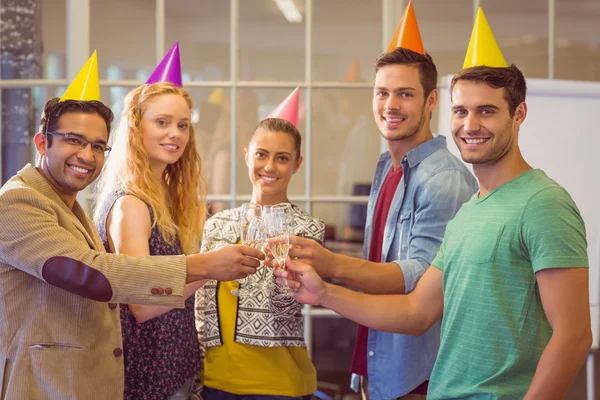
(281, 125)
(54, 109)
(509, 78)
(423, 62)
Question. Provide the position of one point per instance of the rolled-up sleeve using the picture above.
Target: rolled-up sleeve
(436, 202)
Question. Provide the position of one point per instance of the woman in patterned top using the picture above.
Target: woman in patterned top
(152, 201)
(250, 349)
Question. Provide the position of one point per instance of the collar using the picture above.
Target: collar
(36, 180)
(421, 152)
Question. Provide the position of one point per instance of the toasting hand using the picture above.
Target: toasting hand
(306, 285)
(230, 262)
(310, 252)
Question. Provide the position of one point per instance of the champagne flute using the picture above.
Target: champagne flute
(252, 234)
(278, 236)
(286, 209)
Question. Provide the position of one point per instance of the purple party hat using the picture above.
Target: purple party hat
(169, 69)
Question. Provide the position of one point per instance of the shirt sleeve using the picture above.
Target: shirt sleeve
(553, 232)
(437, 202)
(309, 227)
(438, 261)
(34, 241)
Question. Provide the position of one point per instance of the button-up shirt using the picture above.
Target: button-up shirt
(434, 186)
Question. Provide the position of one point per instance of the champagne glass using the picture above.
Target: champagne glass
(286, 209)
(252, 234)
(278, 236)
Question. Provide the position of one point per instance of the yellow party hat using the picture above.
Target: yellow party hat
(216, 97)
(483, 48)
(85, 86)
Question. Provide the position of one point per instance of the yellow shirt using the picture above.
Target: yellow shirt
(245, 369)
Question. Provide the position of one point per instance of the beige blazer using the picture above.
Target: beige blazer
(60, 333)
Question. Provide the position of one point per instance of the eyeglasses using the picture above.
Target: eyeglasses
(76, 140)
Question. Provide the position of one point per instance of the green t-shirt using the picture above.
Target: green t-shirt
(494, 327)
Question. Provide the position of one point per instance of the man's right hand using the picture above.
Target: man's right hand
(306, 285)
(225, 263)
(310, 252)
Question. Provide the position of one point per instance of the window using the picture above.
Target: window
(240, 58)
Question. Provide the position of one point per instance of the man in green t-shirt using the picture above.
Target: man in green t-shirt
(511, 276)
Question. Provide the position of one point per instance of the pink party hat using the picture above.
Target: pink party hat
(288, 109)
(169, 69)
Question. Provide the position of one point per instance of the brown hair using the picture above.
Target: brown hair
(54, 109)
(280, 125)
(423, 62)
(509, 78)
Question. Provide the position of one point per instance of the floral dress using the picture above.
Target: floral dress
(160, 354)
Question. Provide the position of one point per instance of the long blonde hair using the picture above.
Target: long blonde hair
(179, 200)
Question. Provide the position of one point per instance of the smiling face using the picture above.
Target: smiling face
(482, 127)
(272, 159)
(165, 126)
(399, 104)
(71, 168)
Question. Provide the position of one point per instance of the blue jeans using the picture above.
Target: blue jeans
(215, 394)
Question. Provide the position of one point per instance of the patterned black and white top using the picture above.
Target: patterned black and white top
(257, 321)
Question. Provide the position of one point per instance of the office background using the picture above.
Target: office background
(240, 58)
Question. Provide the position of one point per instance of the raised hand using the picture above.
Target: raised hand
(230, 262)
(310, 252)
(306, 285)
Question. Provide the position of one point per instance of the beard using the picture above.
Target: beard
(502, 144)
(407, 132)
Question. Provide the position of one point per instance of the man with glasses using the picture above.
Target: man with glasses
(100, 148)
(59, 338)
(74, 125)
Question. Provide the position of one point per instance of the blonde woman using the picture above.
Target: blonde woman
(151, 201)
